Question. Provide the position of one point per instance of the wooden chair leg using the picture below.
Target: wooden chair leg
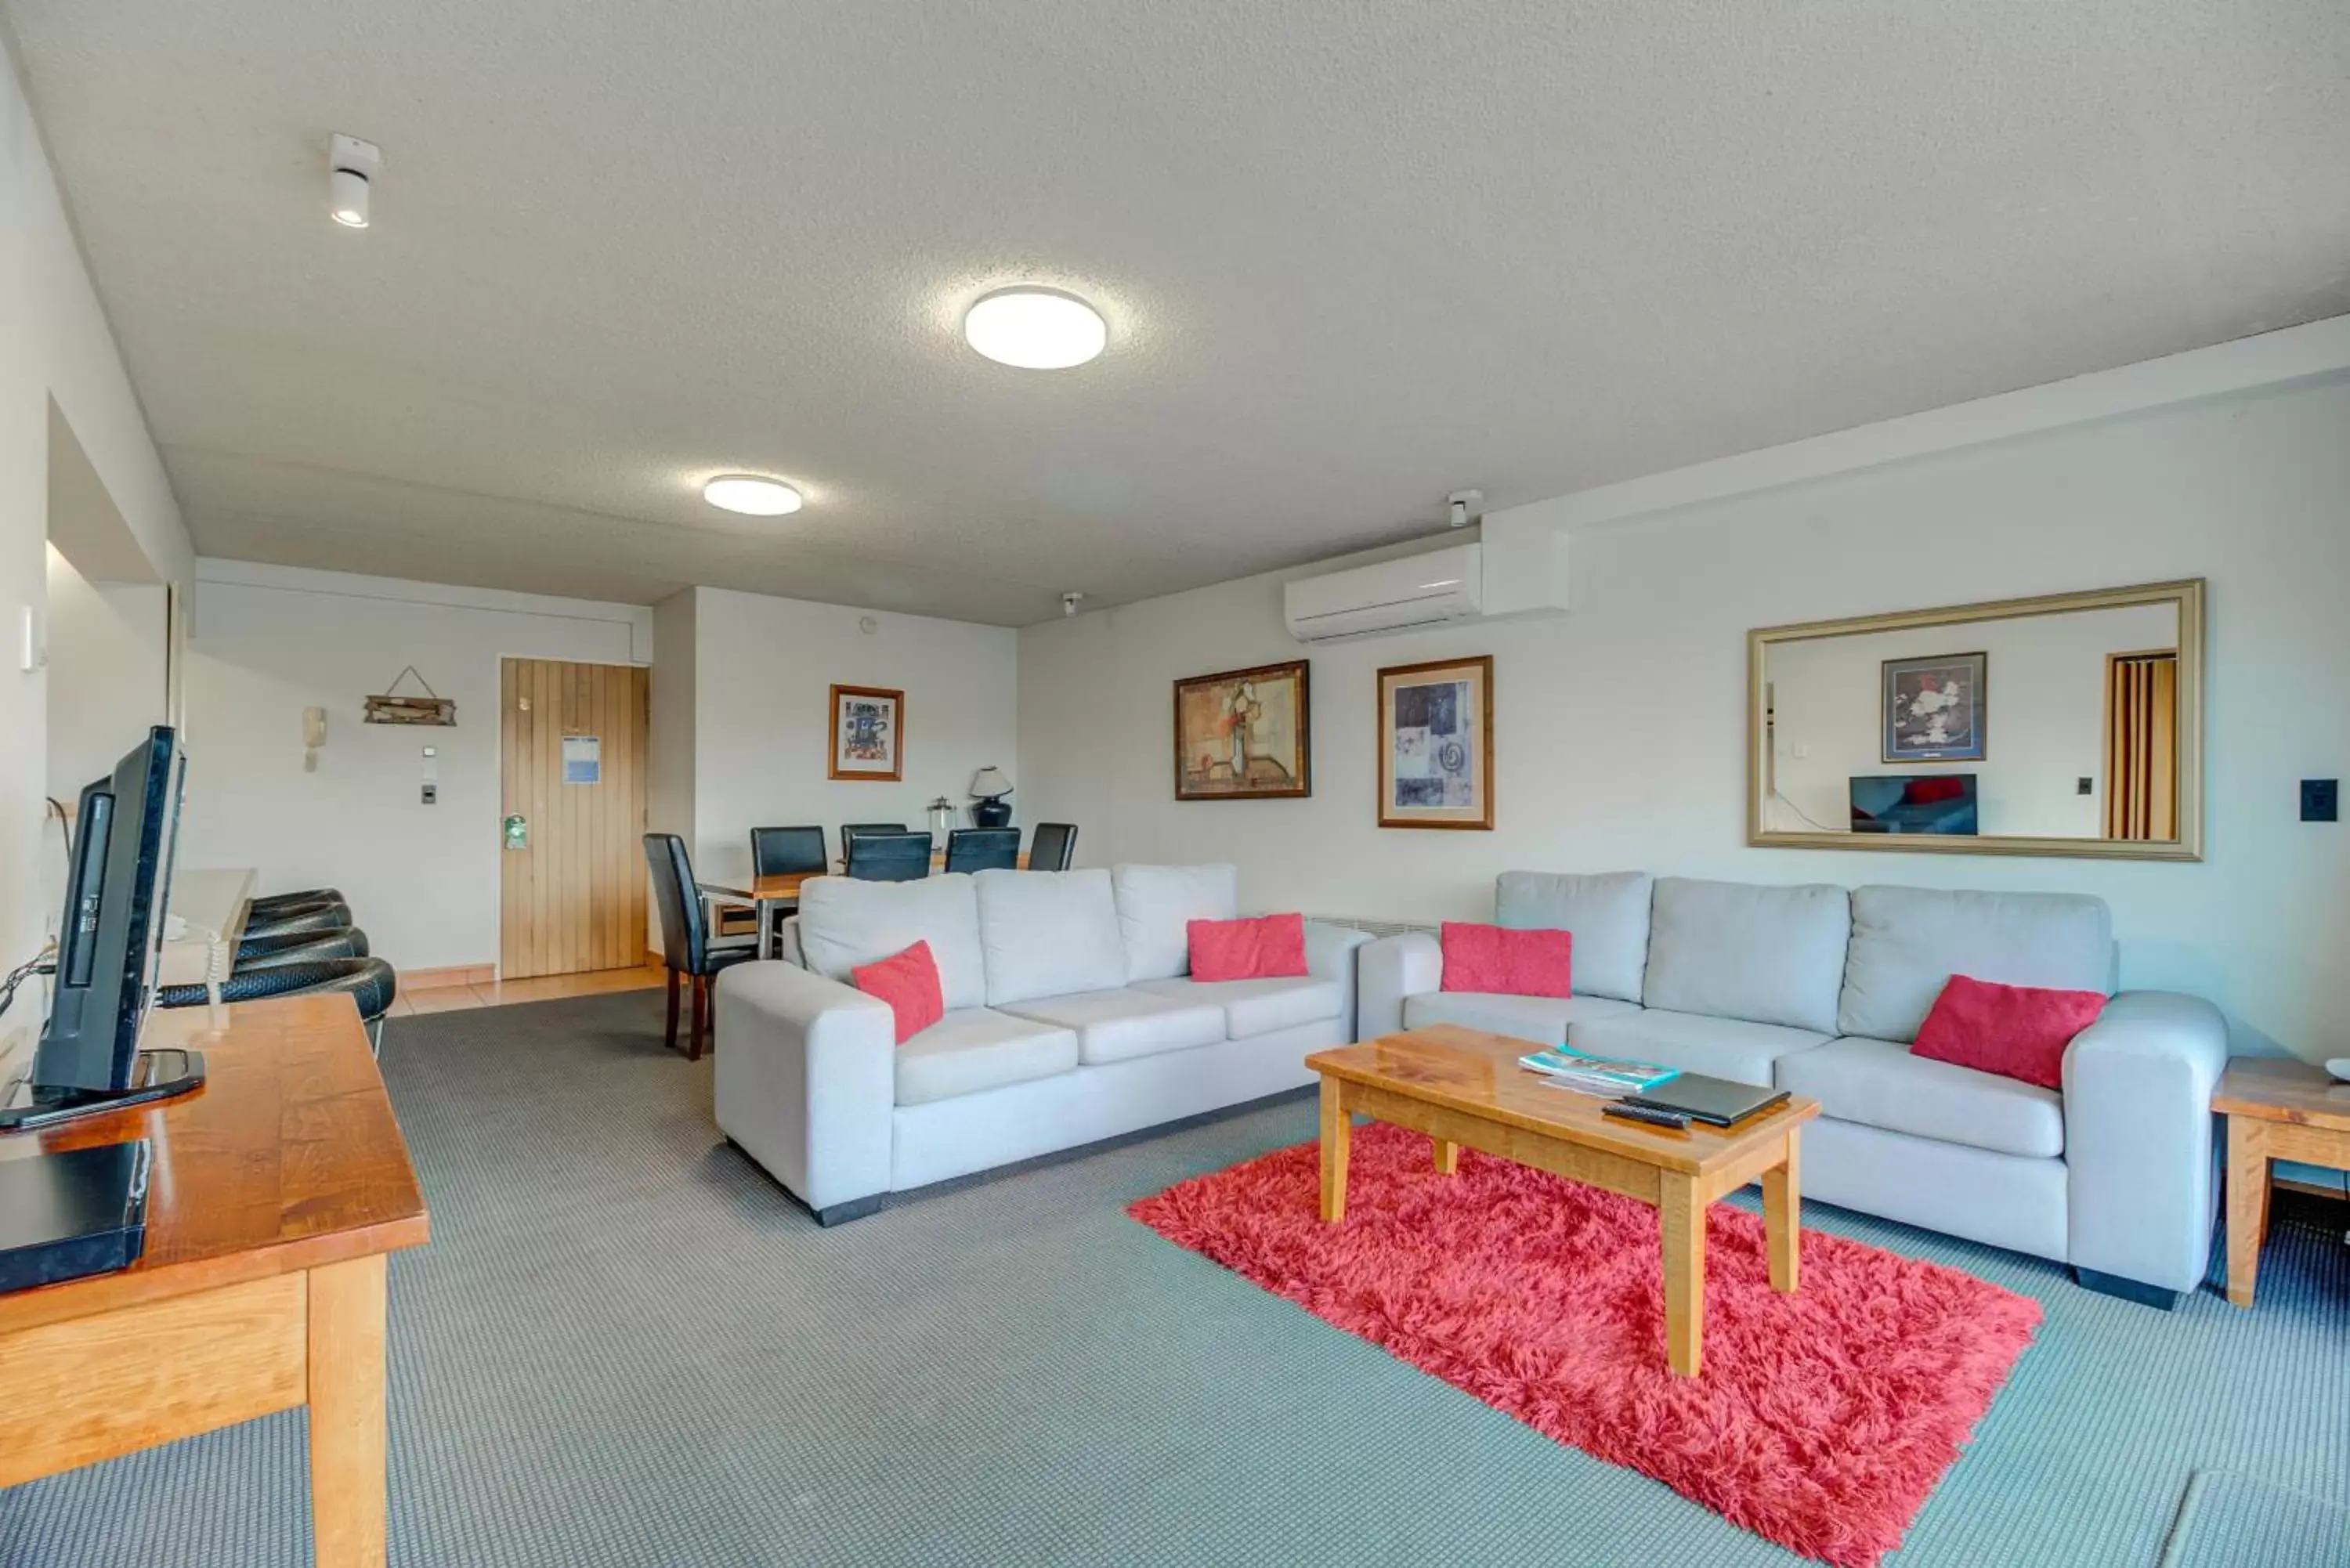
(670, 1037)
(701, 1015)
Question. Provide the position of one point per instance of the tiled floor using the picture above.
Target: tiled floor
(544, 988)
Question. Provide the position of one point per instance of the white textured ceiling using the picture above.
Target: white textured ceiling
(1354, 256)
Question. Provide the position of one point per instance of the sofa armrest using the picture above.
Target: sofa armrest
(2141, 1193)
(806, 1079)
(787, 942)
(1330, 954)
(1389, 971)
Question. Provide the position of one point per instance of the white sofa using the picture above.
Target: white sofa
(1820, 990)
(1071, 1018)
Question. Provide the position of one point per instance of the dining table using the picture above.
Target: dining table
(766, 895)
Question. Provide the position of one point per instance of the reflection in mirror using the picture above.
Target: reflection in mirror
(2066, 725)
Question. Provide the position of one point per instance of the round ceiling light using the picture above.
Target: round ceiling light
(1036, 328)
(750, 495)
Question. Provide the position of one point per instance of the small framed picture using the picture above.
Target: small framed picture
(1934, 708)
(1436, 744)
(868, 732)
(1245, 735)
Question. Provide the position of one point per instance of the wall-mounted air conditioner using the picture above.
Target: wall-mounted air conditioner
(1511, 572)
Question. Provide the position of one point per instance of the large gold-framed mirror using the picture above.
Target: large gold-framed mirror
(2068, 724)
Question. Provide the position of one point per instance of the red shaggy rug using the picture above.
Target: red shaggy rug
(1821, 1421)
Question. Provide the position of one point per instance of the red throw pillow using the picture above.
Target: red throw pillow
(910, 984)
(1501, 961)
(1271, 946)
(2015, 1031)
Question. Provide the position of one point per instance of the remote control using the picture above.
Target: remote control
(1653, 1117)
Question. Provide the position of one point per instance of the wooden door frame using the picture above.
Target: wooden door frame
(497, 684)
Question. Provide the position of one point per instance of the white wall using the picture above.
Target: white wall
(670, 771)
(54, 344)
(106, 672)
(764, 671)
(2046, 680)
(270, 641)
(1621, 727)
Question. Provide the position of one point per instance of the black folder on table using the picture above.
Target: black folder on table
(65, 1215)
(1717, 1102)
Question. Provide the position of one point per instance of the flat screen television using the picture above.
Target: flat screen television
(110, 944)
(1914, 802)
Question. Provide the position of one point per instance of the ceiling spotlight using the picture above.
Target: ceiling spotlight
(1036, 328)
(351, 166)
(750, 495)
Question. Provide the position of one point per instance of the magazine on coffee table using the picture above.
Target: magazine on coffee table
(1609, 1075)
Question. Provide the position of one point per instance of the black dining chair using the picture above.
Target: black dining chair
(687, 948)
(982, 850)
(890, 856)
(850, 830)
(1053, 847)
(779, 851)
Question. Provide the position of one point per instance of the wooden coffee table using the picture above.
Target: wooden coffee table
(2277, 1108)
(1461, 1086)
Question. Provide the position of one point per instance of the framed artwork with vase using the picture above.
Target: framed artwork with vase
(1436, 744)
(869, 734)
(1245, 735)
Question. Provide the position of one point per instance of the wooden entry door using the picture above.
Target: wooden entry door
(572, 893)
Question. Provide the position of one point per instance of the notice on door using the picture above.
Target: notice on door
(583, 759)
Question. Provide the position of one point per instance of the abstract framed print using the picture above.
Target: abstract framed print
(1245, 735)
(1934, 708)
(869, 734)
(1436, 744)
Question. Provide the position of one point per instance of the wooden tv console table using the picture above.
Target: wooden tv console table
(277, 1191)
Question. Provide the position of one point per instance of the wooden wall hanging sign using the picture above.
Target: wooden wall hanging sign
(430, 709)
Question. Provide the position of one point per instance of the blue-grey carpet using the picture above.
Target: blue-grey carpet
(2232, 1520)
(624, 1346)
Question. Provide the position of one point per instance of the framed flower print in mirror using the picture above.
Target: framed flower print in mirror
(2071, 725)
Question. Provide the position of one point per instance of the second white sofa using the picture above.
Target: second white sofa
(1071, 1017)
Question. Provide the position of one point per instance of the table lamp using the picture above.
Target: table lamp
(989, 786)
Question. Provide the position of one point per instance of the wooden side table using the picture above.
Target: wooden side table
(2277, 1108)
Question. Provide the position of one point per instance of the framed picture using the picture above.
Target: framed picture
(1934, 709)
(1436, 744)
(1245, 735)
(868, 732)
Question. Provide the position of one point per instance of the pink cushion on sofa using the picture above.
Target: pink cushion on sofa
(2016, 1031)
(1270, 947)
(1504, 963)
(910, 984)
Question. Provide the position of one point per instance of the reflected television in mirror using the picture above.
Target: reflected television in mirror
(1876, 731)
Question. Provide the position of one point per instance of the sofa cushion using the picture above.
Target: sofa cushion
(1117, 1025)
(1254, 1007)
(845, 923)
(910, 984)
(1879, 1083)
(1737, 950)
(2018, 1031)
(1157, 903)
(1048, 933)
(1542, 1020)
(1906, 942)
(1608, 914)
(1269, 947)
(978, 1048)
(1507, 961)
(1729, 1048)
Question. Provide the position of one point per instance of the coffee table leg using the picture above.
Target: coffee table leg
(1680, 1213)
(1448, 1157)
(1782, 1216)
(2248, 1205)
(1336, 1129)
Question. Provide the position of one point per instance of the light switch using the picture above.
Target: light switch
(432, 794)
(2320, 800)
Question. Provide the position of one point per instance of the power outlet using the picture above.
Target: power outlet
(2320, 800)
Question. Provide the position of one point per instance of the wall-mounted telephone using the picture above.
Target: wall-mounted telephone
(314, 735)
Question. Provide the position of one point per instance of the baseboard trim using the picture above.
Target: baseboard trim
(448, 978)
(859, 1208)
